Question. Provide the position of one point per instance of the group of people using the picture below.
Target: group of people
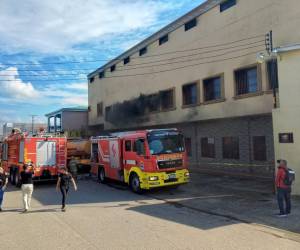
(283, 186)
(64, 181)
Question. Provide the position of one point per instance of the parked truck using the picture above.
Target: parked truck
(143, 159)
(47, 153)
(80, 150)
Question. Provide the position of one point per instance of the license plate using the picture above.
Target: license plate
(172, 176)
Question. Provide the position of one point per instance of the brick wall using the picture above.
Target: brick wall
(245, 128)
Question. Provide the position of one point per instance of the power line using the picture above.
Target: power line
(164, 64)
(186, 66)
(194, 54)
(128, 67)
(155, 72)
(156, 65)
(139, 57)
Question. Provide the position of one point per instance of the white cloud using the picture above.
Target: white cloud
(14, 87)
(14, 90)
(57, 25)
(77, 86)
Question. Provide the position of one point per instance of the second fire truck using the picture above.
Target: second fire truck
(143, 159)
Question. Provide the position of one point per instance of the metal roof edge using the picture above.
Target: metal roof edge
(67, 109)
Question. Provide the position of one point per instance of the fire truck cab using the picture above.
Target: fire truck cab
(47, 153)
(142, 159)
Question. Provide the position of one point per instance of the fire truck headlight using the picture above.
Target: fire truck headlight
(187, 174)
(153, 178)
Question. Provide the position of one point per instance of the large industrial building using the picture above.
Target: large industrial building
(201, 74)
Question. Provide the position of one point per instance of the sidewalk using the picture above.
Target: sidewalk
(243, 200)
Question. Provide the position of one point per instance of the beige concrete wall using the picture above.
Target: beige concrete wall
(246, 19)
(287, 118)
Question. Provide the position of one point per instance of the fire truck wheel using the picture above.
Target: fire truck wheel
(101, 175)
(135, 184)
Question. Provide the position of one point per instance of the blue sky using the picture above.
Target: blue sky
(39, 37)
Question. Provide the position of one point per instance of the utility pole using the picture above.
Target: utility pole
(32, 123)
(273, 69)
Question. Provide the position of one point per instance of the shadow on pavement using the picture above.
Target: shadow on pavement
(224, 200)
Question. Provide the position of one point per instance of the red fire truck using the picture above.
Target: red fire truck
(47, 153)
(142, 159)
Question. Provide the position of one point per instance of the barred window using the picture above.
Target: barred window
(188, 146)
(190, 94)
(246, 81)
(231, 148)
(208, 147)
(212, 89)
(167, 99)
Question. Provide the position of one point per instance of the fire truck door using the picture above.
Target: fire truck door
(115, 159)
(46, 153)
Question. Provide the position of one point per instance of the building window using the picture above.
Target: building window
(212, 89)
(127, 60)
(167, 99)
(227, 4)
(208, 147)
(153, 102)
(259, 148)
(188, 146)
(272, 71)
(101, 74)
(143, 51)
(92, 79)
(246, 81)
(107, 113)
(231, 148)
(99, 109)
(191, 24)
(127, 146)
(113, 68)
(163, 39)
(190, 94)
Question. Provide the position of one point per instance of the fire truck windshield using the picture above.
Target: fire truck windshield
(165, 143)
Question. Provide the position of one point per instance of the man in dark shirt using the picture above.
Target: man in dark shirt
(27, 185)
(63, 183)
(3, 184)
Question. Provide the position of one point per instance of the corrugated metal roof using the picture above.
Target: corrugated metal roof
(74, 109)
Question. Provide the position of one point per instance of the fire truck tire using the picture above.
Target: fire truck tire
(135, 183)
(101, 175)
(17, 178)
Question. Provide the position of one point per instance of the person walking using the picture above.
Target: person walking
(27, 185)
(3, 184)
(63, 183)
(283, 190)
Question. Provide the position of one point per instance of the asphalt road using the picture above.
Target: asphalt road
(111, 217)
